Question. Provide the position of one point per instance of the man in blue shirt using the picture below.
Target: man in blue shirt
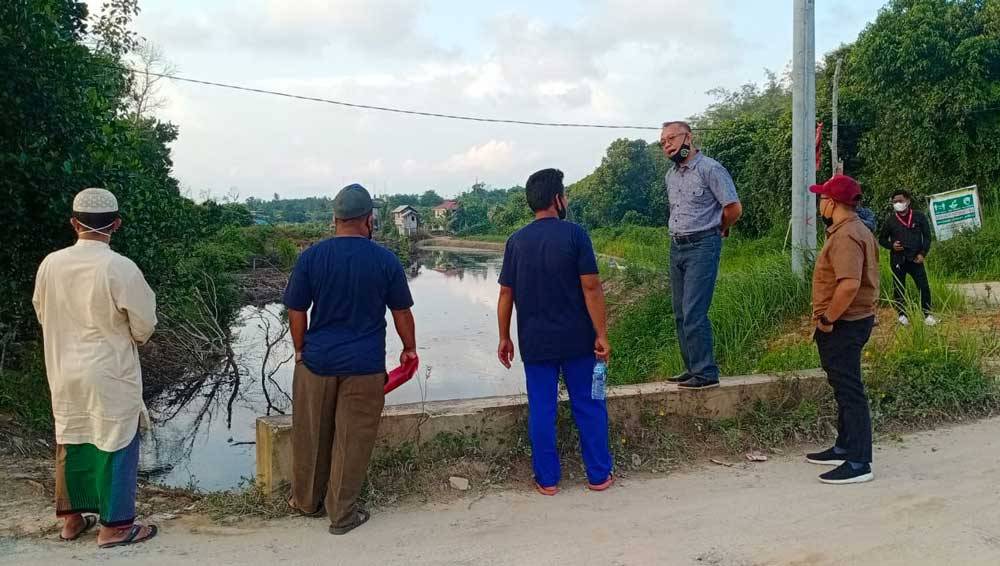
(703, 206)
(337, 390)
(550, 274)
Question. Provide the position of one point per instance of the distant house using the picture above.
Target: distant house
(406, 219)
(445, 208)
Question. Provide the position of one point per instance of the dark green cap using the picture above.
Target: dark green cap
(351, 202)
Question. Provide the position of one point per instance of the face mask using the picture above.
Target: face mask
(827, 221)
(96, 230)
(560, 210)
(900, 206)
(371, 228)
(681, 154)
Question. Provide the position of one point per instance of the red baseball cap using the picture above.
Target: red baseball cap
(840, 188)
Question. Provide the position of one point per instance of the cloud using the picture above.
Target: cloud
(604, 61)
(385, 28)
(489, 157)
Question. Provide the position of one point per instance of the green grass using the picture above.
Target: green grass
(769, 424)
(24, 392)
(752, 302)
(944, 298)
(755, 295)
(917, 376)
(924, 374)
(790, 357)
(486, 238)
(970, 256)
(638, 246)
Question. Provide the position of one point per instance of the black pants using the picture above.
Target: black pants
(900, 269)
(840, 356)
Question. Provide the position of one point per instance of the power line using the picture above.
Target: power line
(387, 108)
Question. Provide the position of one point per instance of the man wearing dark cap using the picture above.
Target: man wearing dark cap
(845, 289)
(347, 281)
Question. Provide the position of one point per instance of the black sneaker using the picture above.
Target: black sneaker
(699, 382)
(825, 458)
(679, 378)
(845, 473)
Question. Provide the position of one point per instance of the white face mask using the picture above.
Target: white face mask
(100, 230)
(900, 206)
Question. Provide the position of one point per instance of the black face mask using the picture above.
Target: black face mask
(827, 221)
(681, 154)
(560, 210)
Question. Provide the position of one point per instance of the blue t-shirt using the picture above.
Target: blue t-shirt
(348, 282)
(543, 263)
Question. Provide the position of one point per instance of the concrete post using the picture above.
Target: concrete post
(803, 136)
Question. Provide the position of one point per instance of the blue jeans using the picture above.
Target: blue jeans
(590, 415)
(694, 268)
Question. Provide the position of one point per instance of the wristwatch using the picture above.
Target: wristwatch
(825, 321)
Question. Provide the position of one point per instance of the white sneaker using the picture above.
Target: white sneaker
(904, 320)
(930, 320)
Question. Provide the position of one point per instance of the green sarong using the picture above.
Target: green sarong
(89, 480)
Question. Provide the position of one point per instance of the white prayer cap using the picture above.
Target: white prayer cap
(95, 201)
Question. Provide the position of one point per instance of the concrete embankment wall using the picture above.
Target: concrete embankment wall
(496, 417)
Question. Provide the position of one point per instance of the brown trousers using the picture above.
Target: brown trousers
(334, 425)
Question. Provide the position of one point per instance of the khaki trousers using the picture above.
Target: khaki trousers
(334, 425)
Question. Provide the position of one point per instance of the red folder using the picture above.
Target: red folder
(402, 374)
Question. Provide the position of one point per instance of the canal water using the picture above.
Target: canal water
(205, 439)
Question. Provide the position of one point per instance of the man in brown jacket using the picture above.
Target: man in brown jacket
(845, 290)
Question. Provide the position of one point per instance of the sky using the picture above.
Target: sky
(595, 61)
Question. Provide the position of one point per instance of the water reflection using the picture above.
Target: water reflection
(204, 432)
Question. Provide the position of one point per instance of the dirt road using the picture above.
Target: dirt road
(935, 500)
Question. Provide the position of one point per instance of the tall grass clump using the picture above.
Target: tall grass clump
(789, 357)
(973, 255)
(751, 303)
(922, 374)
(642, 247)
(944, 298)
(24, 389)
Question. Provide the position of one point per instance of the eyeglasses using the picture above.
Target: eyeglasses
(672, 137)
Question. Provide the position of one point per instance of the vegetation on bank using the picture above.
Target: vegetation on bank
(756, 294)
(756, 299)
(971, 255)
(916, 376)
(73, 120)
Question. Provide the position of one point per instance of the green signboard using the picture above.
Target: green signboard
(955, 211)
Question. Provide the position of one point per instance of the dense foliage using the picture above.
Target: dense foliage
(66, 123)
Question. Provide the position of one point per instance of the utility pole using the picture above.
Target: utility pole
(803, 136)
(835, 163)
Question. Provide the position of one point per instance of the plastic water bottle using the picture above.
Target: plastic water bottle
(597, 390)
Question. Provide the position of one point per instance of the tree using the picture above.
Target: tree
(629, 178)
(923, 83)
(144, 92)
(750, 133)
(430, 199)
(66, 123)
(513, 213)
